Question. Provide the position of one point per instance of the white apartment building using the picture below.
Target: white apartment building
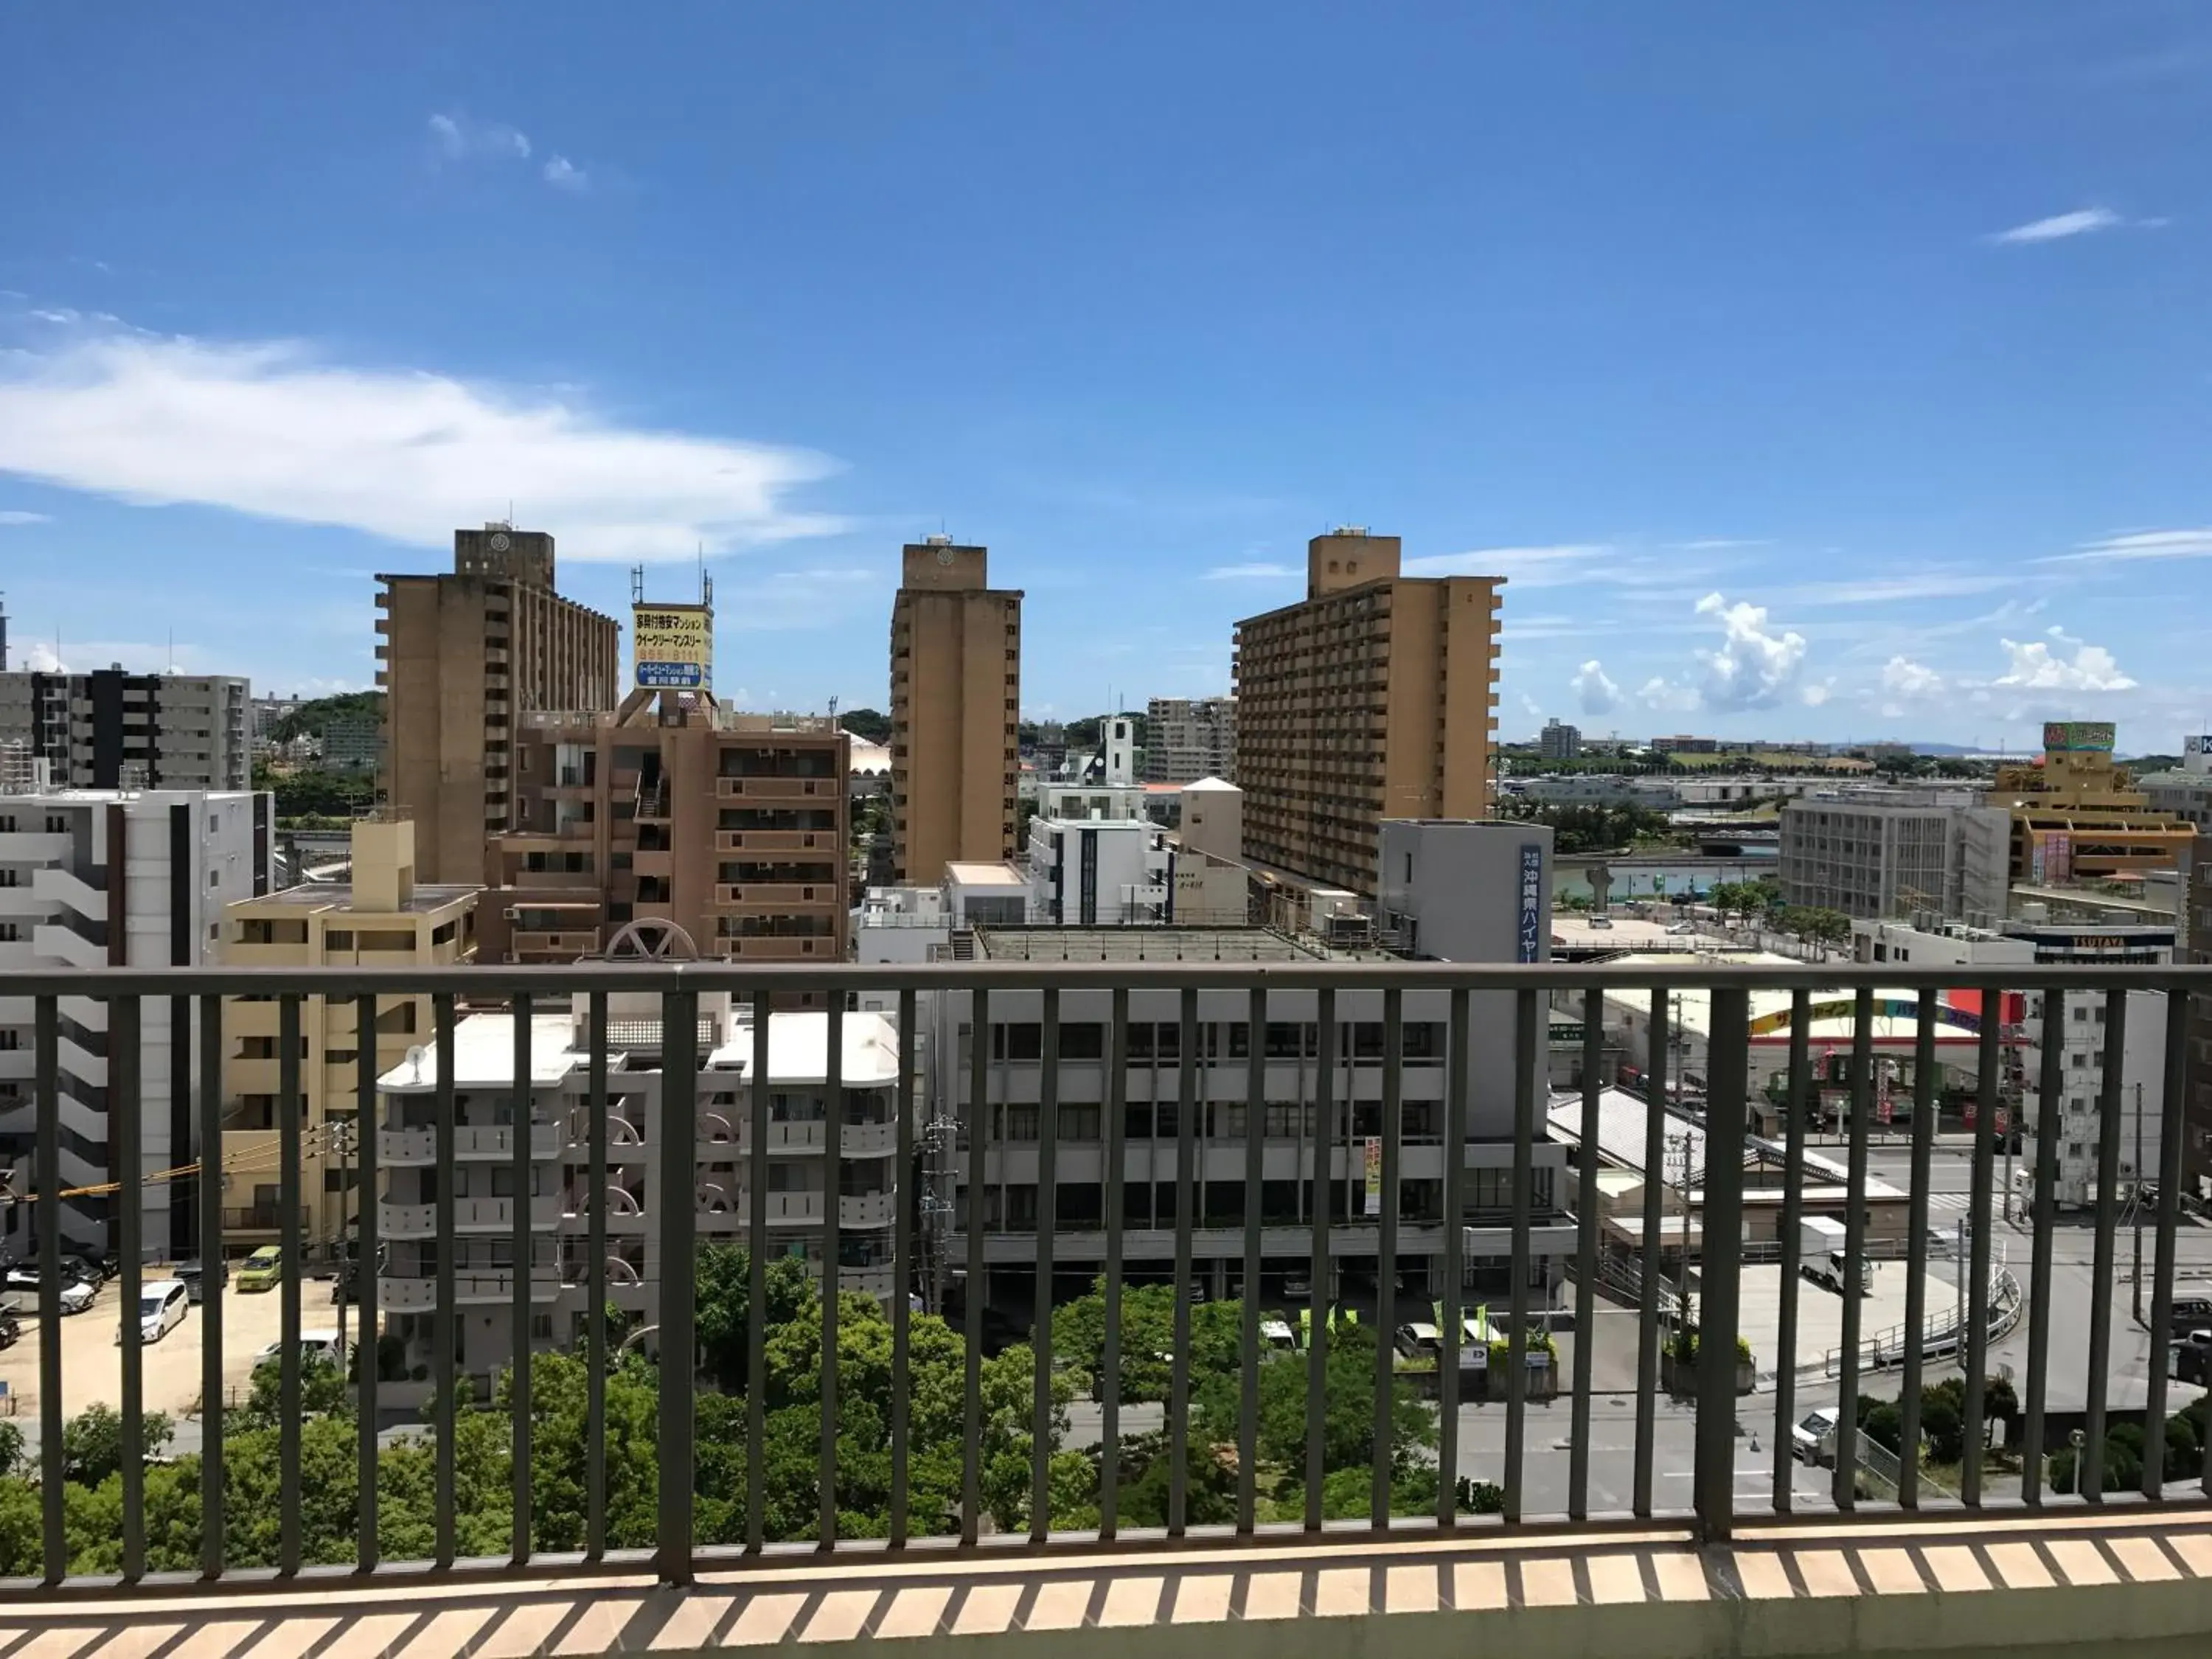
(2185, 792)
(1007, 1205)
(717, 1168)
(109, 730)
(1936, 851)
(91, 879)
(1187, 738)
(1124, 872)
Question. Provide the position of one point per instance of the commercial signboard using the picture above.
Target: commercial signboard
(2198, 745)
(2077, 737)
(1532, 900)
(672, 647)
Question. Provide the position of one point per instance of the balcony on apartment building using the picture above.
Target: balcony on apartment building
(1583, 1433)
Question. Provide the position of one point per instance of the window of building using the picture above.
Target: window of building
(1017, 1041)
(338, 939)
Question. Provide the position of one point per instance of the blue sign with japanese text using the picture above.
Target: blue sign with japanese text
(1532, 899)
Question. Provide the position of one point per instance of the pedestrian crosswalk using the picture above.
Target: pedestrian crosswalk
(1950, 1201)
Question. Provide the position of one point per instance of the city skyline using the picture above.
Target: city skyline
(1774, 427)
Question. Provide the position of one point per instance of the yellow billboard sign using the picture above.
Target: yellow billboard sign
(672, 646)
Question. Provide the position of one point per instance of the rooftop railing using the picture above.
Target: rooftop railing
(690, 1420)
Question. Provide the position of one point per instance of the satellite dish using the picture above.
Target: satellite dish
(416, 1056)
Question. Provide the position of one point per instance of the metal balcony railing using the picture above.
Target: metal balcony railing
(882, 1435)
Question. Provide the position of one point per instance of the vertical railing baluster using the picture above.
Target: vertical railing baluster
(126, 1155)
(756, 1166)
(1527, 1085)
(1386, 1253)
(1728, 1067)
(2051, 1077)
(519, 1246)
(2089, 1478)
(976, 1291)
(2171, 1132)
(1109, 1362)
(903, 1229)
(1047, 1220)
(1247, 1396)
(1458, 1075)
(1586, 1230)
(596, 1138)
(214, 1280)
(1317, 1299)
(1976, 1333)
(1916, 1248)
(363, 1288)
(1793, 1219)
(679, 1280)
(1647, 1298)
(291, 1115)
(1186, 1110)
(445, 1343)
(1846, 1490)
(46, 1043)
(833, 1266)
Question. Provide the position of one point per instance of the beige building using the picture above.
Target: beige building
(462, 656)
(382, 919)
(1187, 738)
(1375, 697)
(732, 827)
(956, 699)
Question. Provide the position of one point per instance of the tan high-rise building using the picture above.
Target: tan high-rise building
(732, 827)
(956, 701)
(383, 918)
(1375, 697)
(461, 657)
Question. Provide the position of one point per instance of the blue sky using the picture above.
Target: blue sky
(1827, 371)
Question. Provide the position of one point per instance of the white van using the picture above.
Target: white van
(161, 1306)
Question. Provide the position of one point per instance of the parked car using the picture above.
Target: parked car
(194, 1276)
(77, 1296)
(314, 1346)
(1813, 1438)
(161, 1306)
(2188, 1314)
(262, 1269)
(2189, 1359)
(11, 1327)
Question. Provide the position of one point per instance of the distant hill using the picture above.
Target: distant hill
(309, 719)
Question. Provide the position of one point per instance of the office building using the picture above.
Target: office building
(1374, 697)
(2077, 816)
(1187, 738)
(462, 656)
(105, 879)
(111, 730)
(715, 1173)
(731, 827)
(382, 918)
(1887, 854)
(955, 708)
(1559, 742)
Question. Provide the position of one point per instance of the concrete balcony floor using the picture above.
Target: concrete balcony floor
(2138, 1583)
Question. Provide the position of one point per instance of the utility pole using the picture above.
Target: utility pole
(341, 1130)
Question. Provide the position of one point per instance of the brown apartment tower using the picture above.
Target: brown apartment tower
(672, 809)
(1375, 697)
(460, 658)
(956, 699)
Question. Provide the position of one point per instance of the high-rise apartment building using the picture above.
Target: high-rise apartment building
(383, 918)
(110, 730)
(1187, 738)
(91, 879)
(1374, 697)
(1559, 742)
(732, 827)
(956, 703)
(462, 656)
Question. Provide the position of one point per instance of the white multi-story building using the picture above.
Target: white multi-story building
(717, 1169)
(109, 730)
(2185, 792)
(1872, 856)
(1187, 738)
(92, 879)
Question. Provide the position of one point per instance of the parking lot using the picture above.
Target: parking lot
(92, 1360)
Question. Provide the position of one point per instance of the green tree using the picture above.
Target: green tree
(92, 1442)
(871, 724)
(725, 1300)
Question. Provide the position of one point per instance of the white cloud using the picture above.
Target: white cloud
(62, 315)
(2036, 667)
(563, 174)
(1754, 668)
(2139, 544)
(2083, 221)
(1659, 692)
(1597, 693)
(268, 428)
(1901, 676)
(1814, 696)
(1526, 567)
(37, 657)
(16, 515)
(457, 138)
(1889, 590)
(1255, 572)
